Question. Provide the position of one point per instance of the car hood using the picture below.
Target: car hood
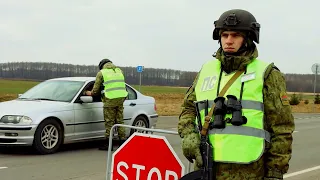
(26, 107)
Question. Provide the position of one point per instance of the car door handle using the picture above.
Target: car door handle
(133, 104)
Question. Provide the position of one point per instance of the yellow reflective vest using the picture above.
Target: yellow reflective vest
(114, 84)
(235, 144)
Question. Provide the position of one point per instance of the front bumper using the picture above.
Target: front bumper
(17, 135)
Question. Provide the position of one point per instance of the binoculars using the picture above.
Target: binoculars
(232, 106)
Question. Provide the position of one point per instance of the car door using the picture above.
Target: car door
(131, 106)
(89, 121)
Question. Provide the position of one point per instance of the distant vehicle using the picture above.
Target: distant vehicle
(56, 112)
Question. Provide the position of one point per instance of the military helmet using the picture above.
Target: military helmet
(102, 62)
(237, 19)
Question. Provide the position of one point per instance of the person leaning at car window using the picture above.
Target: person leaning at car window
(111, 80)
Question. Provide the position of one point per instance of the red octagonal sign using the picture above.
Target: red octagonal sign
(146, 157)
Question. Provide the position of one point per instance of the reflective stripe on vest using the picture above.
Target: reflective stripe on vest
(236, 144)
(242, 130)
(246, 104)
(114, 84)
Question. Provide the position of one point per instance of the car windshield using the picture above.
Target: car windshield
(53, 91)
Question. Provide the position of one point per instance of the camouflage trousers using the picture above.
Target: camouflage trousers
(114, 115)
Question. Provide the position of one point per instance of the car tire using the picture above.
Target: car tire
(54, 137)
(139, 120)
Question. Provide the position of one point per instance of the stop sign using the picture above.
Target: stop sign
(147, 157)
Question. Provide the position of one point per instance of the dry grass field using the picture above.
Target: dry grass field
(169, 104)
(168, 99)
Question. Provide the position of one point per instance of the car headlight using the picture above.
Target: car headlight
(13, 119)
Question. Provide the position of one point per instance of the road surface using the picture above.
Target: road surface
(85, 162)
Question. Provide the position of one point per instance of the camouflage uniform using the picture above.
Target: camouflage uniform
(278, 121)
(112, 108)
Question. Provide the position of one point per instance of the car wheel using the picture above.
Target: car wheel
(48, 137)
(140, 121)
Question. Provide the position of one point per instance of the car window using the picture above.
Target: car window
(131, 93)
(55, 90)
(89, 88)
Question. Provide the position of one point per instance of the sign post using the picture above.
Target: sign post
(146, 156)
(315, 69)
(139, 70)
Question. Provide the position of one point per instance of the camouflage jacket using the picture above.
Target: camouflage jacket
(98, 87)
(279, 122)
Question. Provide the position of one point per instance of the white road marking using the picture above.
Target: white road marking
(3, 167)
(301, 172)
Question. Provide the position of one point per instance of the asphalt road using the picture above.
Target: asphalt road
(84, 162)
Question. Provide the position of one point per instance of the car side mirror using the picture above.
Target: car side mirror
(86, 99)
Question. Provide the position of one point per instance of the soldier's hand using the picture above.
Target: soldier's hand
(88, 93)
(191, 148)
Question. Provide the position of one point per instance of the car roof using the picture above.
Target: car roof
(80, 79)
(83, 79)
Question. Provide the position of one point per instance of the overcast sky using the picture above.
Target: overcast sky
(174, 34)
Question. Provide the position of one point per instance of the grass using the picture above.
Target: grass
(15, 86)
(9, 89)
(303, 95)
(168, 99)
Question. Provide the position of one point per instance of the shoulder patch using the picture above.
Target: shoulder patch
(284, 98)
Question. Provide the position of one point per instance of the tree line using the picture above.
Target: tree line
(40, 71)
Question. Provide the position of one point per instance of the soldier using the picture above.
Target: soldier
(260, 149)
(110, 80)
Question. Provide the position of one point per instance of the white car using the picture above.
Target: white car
(55, 112)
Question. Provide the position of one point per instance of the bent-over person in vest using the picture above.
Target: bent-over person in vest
(110, 82)
(251, 122)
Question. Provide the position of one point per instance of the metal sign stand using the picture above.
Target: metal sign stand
(315, 69)
(140, 70)
(108, 174)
